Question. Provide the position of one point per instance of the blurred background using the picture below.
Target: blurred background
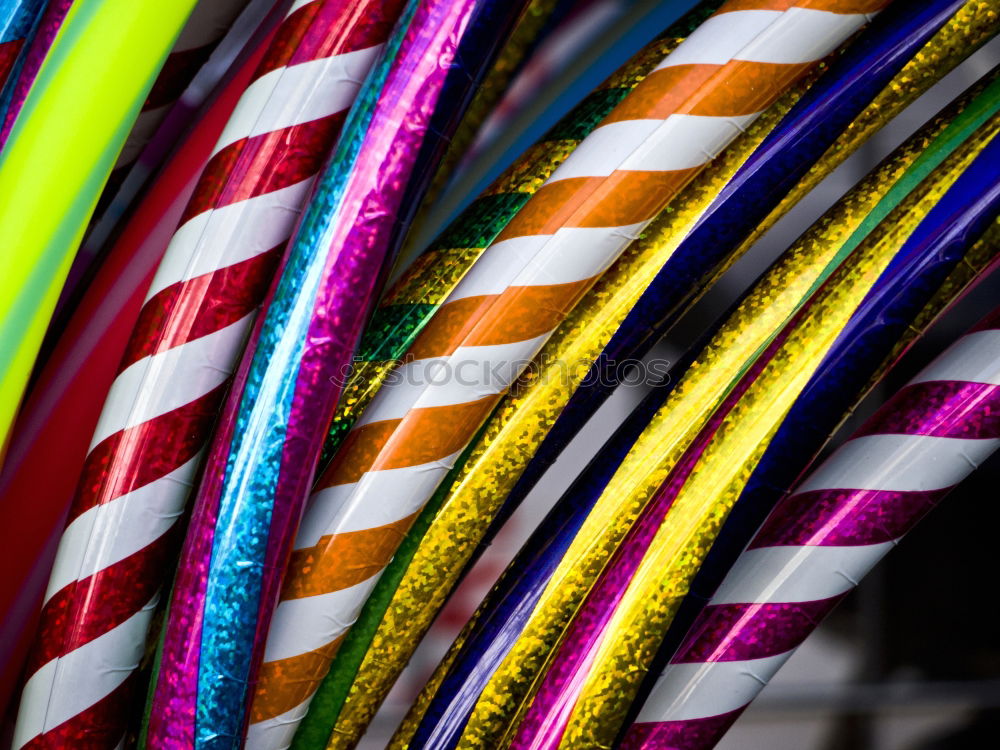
(911, 659)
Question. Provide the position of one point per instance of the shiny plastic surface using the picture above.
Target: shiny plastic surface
(396, 323)
(262, 457)
(625, 308)
(143, 458)
(780, 294)
(913, 250)
(824, 537)
(25, 68)
(85, 79)
(59, 415)
(742, 215)
(18, 21)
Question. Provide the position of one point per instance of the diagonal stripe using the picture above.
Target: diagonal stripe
(694, 734)
(331, 508)
(738, 88)
(752, 631)
(446, 329)
(304, 34)
(202, 365)
(592, 202)
(425, 436)
(802, 35)
(415, 443)
(245, 169)
(400, 391)
(743, 88)
(544, 214)
(69, 686)
(137, 518)
(719, 38)
(468, 374)
(299, 93)
(622, 220)
(487, 216)
(844, 517)
(320, 618)
(972, 358)
(523, 315)
(899, 463)
(225, 296)
(120, 464)
(499, 265)
(684, 142)
(693, 691)
(290, 684)
(359, 449)
(598, 155)
(277, 732)
(462, 313)
(63, 630)
(961, 410)
(591, 253)
(797, 574)
(521, 310)
(342, 560)
(662, 93)
(100, 723)
(229, 235)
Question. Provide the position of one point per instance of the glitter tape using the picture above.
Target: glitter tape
(841, 519)
(913, 250)
(271, 434)
(696, 397)
(509, 440)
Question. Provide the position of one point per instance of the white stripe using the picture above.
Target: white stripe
(974, 358)
(469, 374)
(400, 390)
(73, 683)
(498, 266)
(570, 255)
(604, 149)
(231, 234)
(700, 690)
(797, 574)
(277, 733)
(686, 141)
(575, 254)
(298, 4)
(297, 94)
(112, 531)
(681, 141)
(303, 625)
(717, 40)
(802, 35)
(900, 463)
(378, 498)
(476, 372)
(140, 392)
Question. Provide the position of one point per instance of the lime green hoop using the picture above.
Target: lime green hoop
(81, 107)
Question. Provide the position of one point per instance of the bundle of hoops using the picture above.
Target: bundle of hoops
(302, 300)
